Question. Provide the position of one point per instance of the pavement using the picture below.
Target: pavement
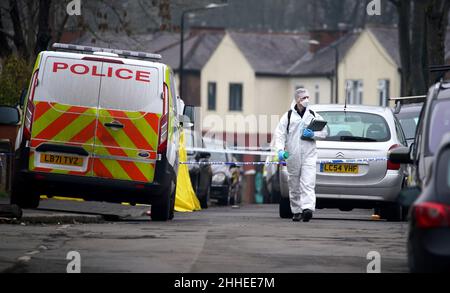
(251, 239)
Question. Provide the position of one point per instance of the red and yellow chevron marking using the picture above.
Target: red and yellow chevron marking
(115, 153)
(63, 124)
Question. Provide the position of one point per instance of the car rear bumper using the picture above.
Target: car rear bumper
(386, 190)
(95, 188)
(430, 249)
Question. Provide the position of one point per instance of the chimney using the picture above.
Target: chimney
(324, 37)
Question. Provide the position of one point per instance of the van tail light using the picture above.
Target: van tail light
(163, 133)
(390, 165)
(164, 122)
(29, 112)
(432, 215)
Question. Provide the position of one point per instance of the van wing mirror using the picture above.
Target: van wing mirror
(9, 115)
(401, 155)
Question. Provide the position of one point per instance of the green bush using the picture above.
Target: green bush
(14, 78)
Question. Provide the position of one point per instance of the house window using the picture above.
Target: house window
(383, 91)
(317, 94)
(235, 97)
(212, 96)
(354, 91)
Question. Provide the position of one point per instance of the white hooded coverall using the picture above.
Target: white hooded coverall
(301, 163)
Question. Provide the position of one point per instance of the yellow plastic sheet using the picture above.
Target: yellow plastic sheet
(186, 200)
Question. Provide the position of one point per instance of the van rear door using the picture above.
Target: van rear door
(130, 108)
(65, 115)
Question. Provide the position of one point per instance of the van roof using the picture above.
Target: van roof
(128, 61)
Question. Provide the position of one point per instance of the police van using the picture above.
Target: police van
(99, 124)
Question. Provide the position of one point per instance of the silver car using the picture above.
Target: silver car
(359, 132)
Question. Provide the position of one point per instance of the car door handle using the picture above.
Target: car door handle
(114, 124)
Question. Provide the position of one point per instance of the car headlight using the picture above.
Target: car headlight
(218, 178)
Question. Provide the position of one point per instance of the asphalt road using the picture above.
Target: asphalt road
(252, 239)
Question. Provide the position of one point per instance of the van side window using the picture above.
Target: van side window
(173, 93)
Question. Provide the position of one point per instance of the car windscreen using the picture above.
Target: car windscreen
(356, 126)
(409, 121)
(439, 125)
(443, 176)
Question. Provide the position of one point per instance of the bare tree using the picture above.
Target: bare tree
(437, 21)
(422, 27)
(44, 33)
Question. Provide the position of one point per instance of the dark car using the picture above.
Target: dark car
(225, 180)
(429, 229)
(434, 123)
(408, 116)
(200, 174)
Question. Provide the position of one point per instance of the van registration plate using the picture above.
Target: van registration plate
(61, 160)
(340, 168)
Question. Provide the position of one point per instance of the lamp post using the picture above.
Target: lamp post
(207, 7)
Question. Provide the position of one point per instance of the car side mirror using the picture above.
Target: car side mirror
(185, 122)
(9, 115)
(401, 155)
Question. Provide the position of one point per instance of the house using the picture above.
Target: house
(368, 68)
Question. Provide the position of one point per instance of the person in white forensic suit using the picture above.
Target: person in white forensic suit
(296, 144)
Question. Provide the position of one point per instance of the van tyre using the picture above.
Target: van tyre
(163, 209)
(23, 197)
(285, 208)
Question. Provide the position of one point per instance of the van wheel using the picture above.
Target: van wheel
(285, 208)
(163, 209)
(23, 197)
(172, 207)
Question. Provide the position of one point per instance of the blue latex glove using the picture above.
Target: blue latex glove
(283, 156)
(308, 133)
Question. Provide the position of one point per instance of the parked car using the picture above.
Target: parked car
(429, 222)
(434, 123)
(223, 188)
(9, 125)
(105, 123)
(201, 174)
(357, 132)
(408, 116)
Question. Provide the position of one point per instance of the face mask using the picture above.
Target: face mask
(305, 103)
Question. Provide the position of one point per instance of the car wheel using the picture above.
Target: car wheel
(285, 208)
(391, 212)
(24, 197)
(163, 209)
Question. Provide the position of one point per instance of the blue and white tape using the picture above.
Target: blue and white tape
(341, 161)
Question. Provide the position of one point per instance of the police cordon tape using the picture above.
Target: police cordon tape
(262, 153)
(265, 153)
(349, 161)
